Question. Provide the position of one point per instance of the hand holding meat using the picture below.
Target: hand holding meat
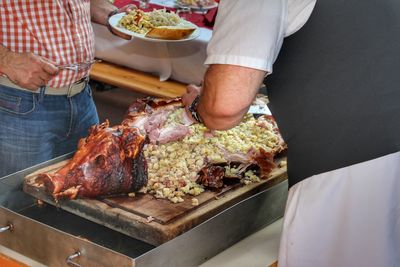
(28, 70)
(191, 92)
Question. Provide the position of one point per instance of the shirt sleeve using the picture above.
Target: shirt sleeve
(250, 33)
(298, 13)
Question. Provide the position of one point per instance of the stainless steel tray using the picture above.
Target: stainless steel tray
(50, 235)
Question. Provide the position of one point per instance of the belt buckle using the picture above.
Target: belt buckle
(71, 92)
(84, 79)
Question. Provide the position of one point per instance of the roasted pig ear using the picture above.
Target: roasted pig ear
(139, 171)
(133, 148)
(132, 141)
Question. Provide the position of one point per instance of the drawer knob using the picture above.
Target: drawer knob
(9, 227)
(70, 259)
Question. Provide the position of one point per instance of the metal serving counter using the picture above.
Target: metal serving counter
(54, 237)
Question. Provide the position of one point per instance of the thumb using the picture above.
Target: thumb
(187, 119)
(127, 8)
(48, 66)
(192, 88)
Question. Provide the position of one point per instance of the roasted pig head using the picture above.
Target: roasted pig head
(108, 162)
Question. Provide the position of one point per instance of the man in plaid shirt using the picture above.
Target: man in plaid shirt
(46, 108)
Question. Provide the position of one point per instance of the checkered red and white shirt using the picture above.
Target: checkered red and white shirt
(59, 30)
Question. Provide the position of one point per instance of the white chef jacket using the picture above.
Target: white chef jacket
(256, 46)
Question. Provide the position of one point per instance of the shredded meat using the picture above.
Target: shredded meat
(149, 116)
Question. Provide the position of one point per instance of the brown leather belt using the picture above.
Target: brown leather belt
(69, 91)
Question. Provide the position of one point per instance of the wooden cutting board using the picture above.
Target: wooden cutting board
(144, 217)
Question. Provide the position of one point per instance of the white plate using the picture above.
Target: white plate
(116, 18)
(182, 5)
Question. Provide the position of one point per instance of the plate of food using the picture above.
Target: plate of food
(158, 25)
(197, 4)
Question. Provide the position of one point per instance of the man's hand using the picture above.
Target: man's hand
(127, 8)
(102, 10)
(124, 9)
(227, 93)
(191, 92)
(28, 70)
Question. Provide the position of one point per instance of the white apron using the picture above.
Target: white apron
(346, 217)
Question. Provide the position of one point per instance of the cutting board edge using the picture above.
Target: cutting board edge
(138, 227)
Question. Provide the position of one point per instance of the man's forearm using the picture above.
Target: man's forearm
(228, 91)
(100, 9)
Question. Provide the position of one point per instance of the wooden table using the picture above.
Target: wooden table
(135, 80)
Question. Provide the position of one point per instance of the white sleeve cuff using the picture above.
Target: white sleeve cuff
(249, 62)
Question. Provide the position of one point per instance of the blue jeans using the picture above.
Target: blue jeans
(38, 127)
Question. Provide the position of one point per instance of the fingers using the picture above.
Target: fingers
(49, 68)
(45, 77)
(187, 99)
(121, 34)
(127, 8)
(191, 92)
(187, 118)
(36, 83)
(33, 84)
(192, 88)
